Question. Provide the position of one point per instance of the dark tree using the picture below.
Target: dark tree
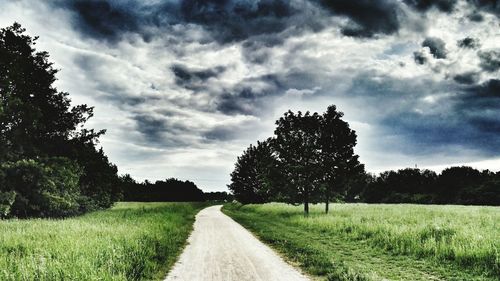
(129, 187)
(170, 190)
(39, 127)
(484, 192)
(297, 147)
(339, 163)
(455, 185)
(220, 196)
(249, 180)
(34, 117)
(453, 181)
(403, 186)
(356, 186)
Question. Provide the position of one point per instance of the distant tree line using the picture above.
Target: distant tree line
(220, 196)
(170, 190)
(455, 185)
(50, 165)
(310, 159)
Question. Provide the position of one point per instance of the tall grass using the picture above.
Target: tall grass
(465, 236)
(132, 241)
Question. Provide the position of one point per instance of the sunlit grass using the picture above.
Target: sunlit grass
(132, 241)
(409, 242)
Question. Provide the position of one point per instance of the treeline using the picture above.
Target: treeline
(170, 190)
(454, 185)
(310, 159)
(50, 165)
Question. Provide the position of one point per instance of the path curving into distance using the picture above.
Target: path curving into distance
(221, 249)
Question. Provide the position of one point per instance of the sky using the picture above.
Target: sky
(184, 86)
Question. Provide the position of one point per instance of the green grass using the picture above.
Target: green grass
(132, 241)
(375, 242)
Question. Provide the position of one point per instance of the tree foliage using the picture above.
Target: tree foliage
(297, 149)
(454, 185)
(310, 158)
(249, 181)
(169, 190)
(339, 163)
(48, 159)
(42, 188)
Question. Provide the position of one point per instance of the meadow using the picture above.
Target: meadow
(131, 241)
(381, 241)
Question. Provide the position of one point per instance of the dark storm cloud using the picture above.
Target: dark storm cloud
(237, 20)
(244, 101)
(102, 19)
(476, 16)
(480, 109)
(249, 96)
(257, 50)
(159, 131)
(222, 133)
(423, 127)
(422, 133)
(469, 43)
(150, 127)
(424, 5)
(490, 6)
(241, 130)
(468, 78)
(367, 17)
(489, 89)
(436, 46)
(490, 60)
(226, 20)
(194, 79)
(419, 57)
(430, 133)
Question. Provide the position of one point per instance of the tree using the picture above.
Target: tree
(169, 190)
(34, 117)
(42, 188)
(218, 196)
(339, 164)
(296, 145)
(37, 122)
(251, 175)
(356, 186)
(408, 185)
(453, 181)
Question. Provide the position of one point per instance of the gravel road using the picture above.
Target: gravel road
(221, 249)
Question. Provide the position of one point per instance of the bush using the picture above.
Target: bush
(6, 201)
(41, 188)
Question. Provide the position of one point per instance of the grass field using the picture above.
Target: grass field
(132, 241)
(376, 242)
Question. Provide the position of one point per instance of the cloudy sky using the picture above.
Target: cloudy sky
(183, 87)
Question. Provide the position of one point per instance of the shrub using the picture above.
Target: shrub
(41, 188)
(6, 201)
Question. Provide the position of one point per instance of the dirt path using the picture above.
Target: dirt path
(221, 249)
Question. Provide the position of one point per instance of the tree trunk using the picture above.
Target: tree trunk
(327, 205)
(306, 201)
